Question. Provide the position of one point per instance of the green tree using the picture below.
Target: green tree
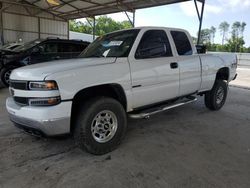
(80, 27)
(104, 25)
(242, 28)
(194, 39)
(224, 27)
(206, 36)
(236, 29)
(236, 42)
(212, 33)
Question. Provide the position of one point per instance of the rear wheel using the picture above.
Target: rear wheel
(216, 98)
(100, 126)
(5, 76)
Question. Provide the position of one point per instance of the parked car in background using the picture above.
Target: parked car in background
(10, 46)
(38, 51)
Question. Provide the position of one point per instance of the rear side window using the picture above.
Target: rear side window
(182, 43)
(70, 47)
(153, 44)
(49, 47)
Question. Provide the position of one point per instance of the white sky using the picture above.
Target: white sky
(183, 15)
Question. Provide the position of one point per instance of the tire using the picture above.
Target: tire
(216, 98)
(95, 134)
(5, 76)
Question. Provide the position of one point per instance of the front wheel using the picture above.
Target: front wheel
(216, 98)
(5, 76)
(100, 126)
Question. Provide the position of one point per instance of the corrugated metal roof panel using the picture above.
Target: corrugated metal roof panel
(71, 9)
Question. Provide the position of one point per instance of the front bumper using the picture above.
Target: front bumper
(49, 121)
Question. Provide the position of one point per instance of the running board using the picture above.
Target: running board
(149, 112)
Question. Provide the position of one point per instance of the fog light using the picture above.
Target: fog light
(45, 101)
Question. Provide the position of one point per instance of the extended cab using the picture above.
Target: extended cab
(136, 73)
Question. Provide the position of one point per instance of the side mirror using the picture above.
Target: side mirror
(201, 49)
(155, 50)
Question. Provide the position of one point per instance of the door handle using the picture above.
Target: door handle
(174, 65)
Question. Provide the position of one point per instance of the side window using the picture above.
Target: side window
(49, 48)
(75, 48)
(153, 44)
(182, 43)
(68, 47)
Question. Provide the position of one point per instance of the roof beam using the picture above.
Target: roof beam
(28, 4)
(105, 5)
(59, 6)
(45, 10)
(94, 8)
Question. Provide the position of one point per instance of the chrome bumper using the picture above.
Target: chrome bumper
(47, 121)
(41, 128)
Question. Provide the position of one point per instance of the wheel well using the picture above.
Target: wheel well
(108, 90)
(223, 74)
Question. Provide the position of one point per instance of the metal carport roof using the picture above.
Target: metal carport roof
(72, 9)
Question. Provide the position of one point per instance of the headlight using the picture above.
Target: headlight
(50, 101)
(43, 86)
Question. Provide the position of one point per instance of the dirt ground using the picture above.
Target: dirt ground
(189, 146)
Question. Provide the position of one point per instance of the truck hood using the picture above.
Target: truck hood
(42, 70)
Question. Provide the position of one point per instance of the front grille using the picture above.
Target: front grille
(21, 85)
(21, 100)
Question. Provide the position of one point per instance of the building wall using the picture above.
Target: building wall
(27, 24)
(17, 27)
(81, 36)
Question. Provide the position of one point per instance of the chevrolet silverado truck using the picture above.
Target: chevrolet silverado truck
(131, 73)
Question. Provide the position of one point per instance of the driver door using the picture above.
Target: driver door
(155, 76)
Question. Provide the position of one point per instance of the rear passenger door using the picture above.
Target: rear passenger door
(188, 62)
(154, 78)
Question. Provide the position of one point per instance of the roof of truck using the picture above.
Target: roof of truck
(150, 27)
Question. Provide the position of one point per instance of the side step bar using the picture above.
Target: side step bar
(148, 112)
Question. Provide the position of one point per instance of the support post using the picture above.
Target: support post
(39, 28)
(94, 28)
(132, 22)
(1, 29)
(1, 25)
(134, 18)
(200, 16)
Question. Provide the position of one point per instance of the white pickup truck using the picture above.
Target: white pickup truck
(130, 73)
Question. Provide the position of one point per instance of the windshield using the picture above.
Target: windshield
(27, 45)
(116, 44)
